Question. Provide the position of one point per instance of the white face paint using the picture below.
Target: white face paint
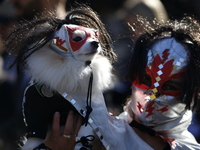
(157, 99)
(75, 40)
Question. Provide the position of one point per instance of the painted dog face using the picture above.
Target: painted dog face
(77, 41)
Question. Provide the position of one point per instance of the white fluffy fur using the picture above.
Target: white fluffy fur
(66, 74)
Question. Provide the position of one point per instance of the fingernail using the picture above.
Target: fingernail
(57, 114)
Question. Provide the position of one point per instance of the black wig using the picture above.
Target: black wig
(187, 32)
(31, 36)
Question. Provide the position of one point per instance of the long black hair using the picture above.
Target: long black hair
(187, 32)
(32, 35)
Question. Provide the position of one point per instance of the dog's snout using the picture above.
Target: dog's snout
(95, 44)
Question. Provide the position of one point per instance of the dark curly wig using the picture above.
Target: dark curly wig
(187, 32)
(30, 36)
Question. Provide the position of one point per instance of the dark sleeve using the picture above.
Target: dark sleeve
(39, 107)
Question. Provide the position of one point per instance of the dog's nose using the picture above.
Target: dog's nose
(95, 44)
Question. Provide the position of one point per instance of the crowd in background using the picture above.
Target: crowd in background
(115, 15)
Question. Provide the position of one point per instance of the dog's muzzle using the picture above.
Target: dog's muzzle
(95, 44)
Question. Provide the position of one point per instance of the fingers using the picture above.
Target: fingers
(61, 140)
(56, 125)
(73, 124)
(69, 123)
(78, 124)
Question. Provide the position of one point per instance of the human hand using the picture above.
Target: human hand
(65, 140)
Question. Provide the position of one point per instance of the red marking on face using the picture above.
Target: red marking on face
(163, 109)
(165, 76)
(139, 107)
(59, 41)
(165, 55)
(150, 109)
(89, 34)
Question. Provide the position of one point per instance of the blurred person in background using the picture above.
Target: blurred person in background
(27, 9)
(12, 84)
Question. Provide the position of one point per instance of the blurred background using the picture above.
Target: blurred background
(115, 14)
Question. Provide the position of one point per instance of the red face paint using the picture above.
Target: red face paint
(89, 34)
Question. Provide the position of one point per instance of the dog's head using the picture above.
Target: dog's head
(77, 41)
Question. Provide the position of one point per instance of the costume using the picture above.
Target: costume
(158, 104)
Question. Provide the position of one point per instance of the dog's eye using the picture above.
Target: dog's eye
(77, 39)
(78, 35)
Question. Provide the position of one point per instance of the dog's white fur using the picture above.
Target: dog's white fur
(68, 73)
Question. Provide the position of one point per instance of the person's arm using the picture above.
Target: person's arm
(156, 142)
(58, 140)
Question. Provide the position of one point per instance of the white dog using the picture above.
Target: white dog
(66, 64)
(62, 64)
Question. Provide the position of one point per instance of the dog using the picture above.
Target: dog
(65, 65)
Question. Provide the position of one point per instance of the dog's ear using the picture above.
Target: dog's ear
(60, 41)
(29, 37)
